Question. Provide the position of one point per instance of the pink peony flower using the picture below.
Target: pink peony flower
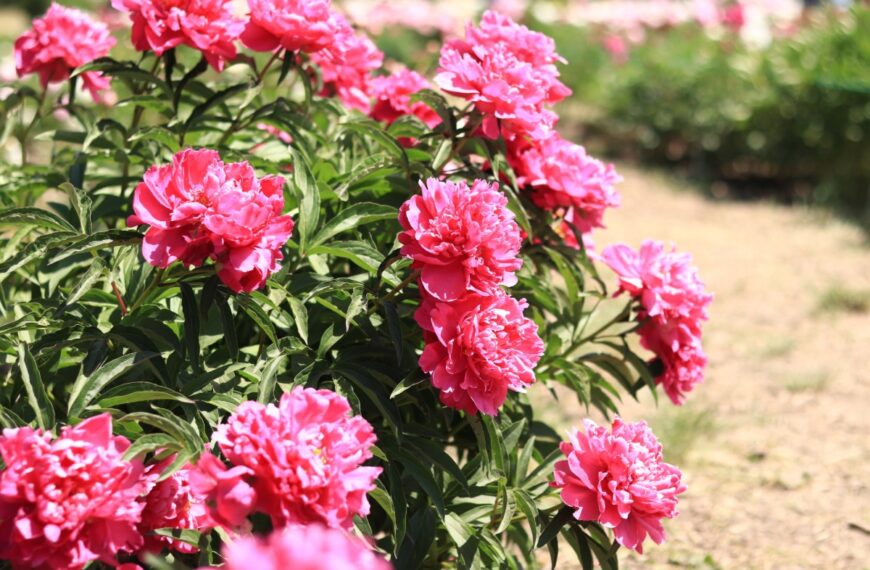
(508, 72)
(617, 47)
(618, 479)
(62, 40)
(209, 26)
(674, 304)
(198, 207)
(734, 17)
(477, 349)
(304, 458)
(460, 238)
(294, 25)
(346, 66)
(228, 497)
(562, 176)
(68, 501)
(311, 547)
(392, 94)
(170, 504)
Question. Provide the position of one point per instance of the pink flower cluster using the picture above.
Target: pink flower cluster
(209, 26)
(300, 462)
(60, 41)
(295, 25)
(618, 479)
(508, 72)
(465, 244)
(312, 547)
(392, 95)
(673, 306)
(197, 207)
(170, 503)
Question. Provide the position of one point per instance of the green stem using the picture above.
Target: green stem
(151, 286)
(234, 126)
(396, 290)
(134, 124)
(26, 133)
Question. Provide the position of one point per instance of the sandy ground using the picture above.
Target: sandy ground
(775, 446)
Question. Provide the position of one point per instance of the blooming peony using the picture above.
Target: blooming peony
(224, 491)
(618, 479)
(392, 94)
(198, 207)
(68, 501)
(294, 25)
(312, 547)
(562, 176)
(207, 25)
(170, 504)
(303, 458)
(674, 304)
(460, 238)
(477, 349)
(62, 40)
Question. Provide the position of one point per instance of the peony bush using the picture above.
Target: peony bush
(267, 304)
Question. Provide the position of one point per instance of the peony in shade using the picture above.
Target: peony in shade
(170, 504)
(68, 501)
(302, 459)
(198, 207)
(477, 349)
(673, 306)
(311, 547)
(295, 25)
(460, 238)
(618, 478)
(392, 94)
(60, 41)
(209, 26)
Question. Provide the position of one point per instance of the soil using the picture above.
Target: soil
(775, 446)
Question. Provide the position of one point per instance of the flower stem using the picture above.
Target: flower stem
(26, 133)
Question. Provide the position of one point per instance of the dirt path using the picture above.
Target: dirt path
(776, 444)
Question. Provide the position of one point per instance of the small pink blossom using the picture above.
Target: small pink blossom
(674, 304)
(303, 458)
(346, 66)
(311, 547)
(295, 25)
(618, 479)
(392, 94)
(477, 349)
(460, 238)
(209, 26)
(60, 41)
(68, 501)
(198, 207)
(170, 504)
(617, 47)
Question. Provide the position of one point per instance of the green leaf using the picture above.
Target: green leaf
(309, 200)
(551, 531)
(259, 316)
(199, 111)
(86, 388)
(191, 324)
(98, 241)
(34, 217)
(150, 442)
(300, 315)
(171, 425)
(135, 392)
(93, 274)
(36, 394)
(354, 216)
(395, 328)
(268, 379)
(357, 252)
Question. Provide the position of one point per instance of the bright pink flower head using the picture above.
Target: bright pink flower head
(734, 17)
(508, 72)
(311, 547)
(209, 26)
(68, 501)
(295, 25)
(561, 175)
(62, 40)
(225, 492)
(199, 207)
(346, 66)
(170, 504)
(304, 457)
(392, 94)
(618, 479)
(477, 349)
(674, 304)
(460, 238)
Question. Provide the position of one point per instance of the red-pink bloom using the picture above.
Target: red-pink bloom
(304, 458)
(311, 547)
(392, 94)
(62, 40)
(478, 348)
(209, 26)
(734, 17)
(508, 72)
(226, 494)
(346, 66)
(674, 304)
(170, 504)
(294, 25)
(199, 207)
(460, 238)
(618, 479)
(561, 176)
(70, 500)
(617, 47)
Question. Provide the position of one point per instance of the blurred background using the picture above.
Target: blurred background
(742, 129)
